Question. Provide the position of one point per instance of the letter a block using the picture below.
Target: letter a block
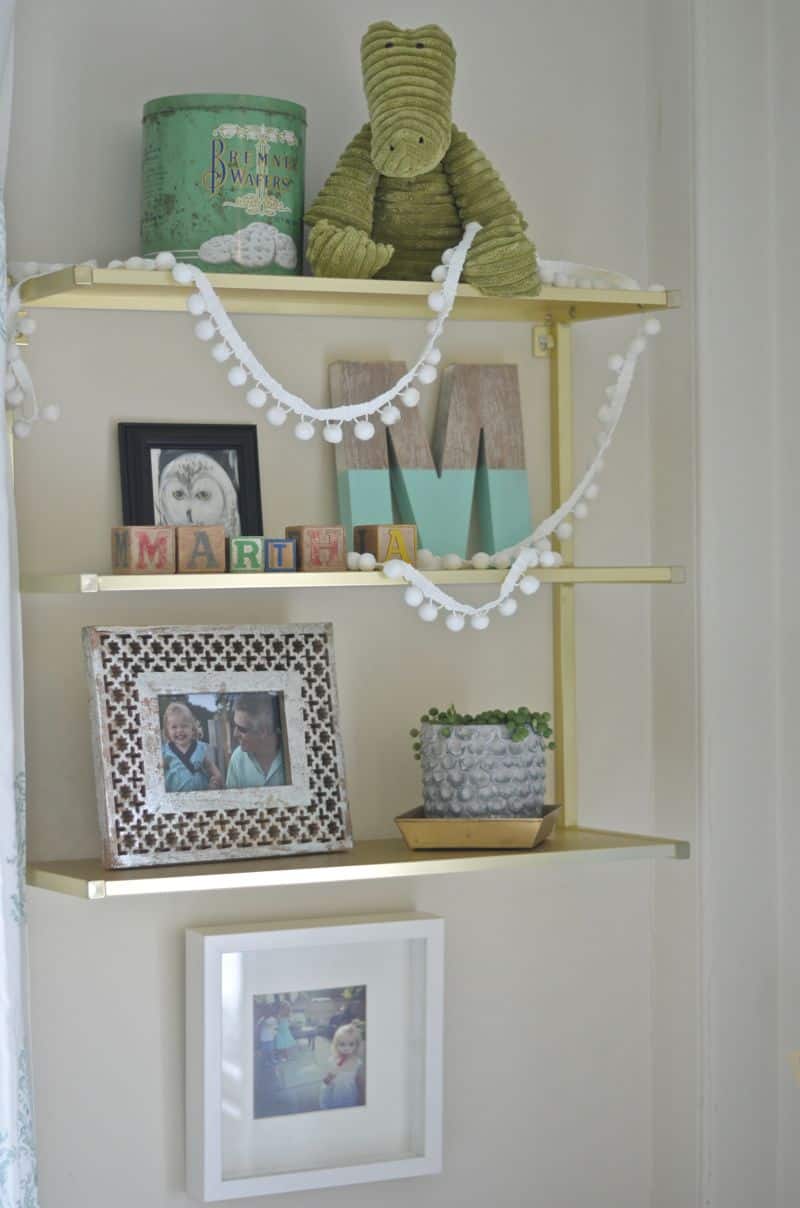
(387, 541)
(143, 550)
(319, 546)
(280, 553)
(246, 555)
(201, 549)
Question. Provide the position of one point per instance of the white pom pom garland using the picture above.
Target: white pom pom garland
(276, 416)
(205, 330)
(256, 397)
(413, 597)
(213, 321)
(363, 430)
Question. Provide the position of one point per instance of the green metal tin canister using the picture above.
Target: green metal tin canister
(222, 182)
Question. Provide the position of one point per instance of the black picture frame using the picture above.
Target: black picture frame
(138, 440)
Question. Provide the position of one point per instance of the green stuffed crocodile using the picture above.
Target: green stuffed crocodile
(410, 181)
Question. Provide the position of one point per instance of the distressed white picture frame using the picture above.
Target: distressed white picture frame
(138, 827)
(397, 1133)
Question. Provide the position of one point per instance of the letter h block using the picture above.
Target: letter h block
(143, 549)
(320, 547)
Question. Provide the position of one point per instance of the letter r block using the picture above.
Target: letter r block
(246, 555)
(280, 553)
(143, 550)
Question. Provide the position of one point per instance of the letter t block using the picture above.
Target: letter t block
(280, 553)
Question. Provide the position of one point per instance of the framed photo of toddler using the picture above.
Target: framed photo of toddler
(313, 1054)
(216, 743)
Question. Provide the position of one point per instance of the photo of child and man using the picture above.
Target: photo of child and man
(309, 1051)
(220, 740)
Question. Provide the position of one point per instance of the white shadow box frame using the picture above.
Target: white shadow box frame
(141, 823)
(395, 1133)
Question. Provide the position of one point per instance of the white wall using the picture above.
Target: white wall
(676, 982)
(786, 268)
(558, 961)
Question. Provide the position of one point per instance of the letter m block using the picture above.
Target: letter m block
(143, 550)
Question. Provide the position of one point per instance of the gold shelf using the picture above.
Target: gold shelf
(85, 288)
(92, 583)
(371, 860)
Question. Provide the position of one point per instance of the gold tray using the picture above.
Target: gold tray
(425, 834)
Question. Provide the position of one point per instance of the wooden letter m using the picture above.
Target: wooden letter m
(477, 455)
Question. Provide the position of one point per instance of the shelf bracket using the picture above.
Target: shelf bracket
(543, 339)
(564, 667)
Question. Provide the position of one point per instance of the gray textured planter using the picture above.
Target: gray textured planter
(478, 772)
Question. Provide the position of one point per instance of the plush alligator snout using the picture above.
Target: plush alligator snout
(406, 152)
(408, 80)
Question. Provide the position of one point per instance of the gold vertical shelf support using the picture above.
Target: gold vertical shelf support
(564, 685)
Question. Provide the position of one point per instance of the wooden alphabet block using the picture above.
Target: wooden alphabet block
(246, 554)
(143, 550)
(319, 546)
(201, 549)
(280, 553)
(387, 541)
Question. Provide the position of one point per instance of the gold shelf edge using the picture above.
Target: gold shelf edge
(83, 287)
(89, 583)
(373, 859)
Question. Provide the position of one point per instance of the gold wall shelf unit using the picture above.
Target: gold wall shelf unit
(369, 860)
(81, 287)
(552, 314)
(88, 584)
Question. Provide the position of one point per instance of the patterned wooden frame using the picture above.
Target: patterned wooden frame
(138, 829)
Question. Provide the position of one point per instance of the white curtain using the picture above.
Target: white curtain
(17, 1142)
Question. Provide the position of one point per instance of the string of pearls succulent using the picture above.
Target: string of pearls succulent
(215, 327)
(430, 600)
